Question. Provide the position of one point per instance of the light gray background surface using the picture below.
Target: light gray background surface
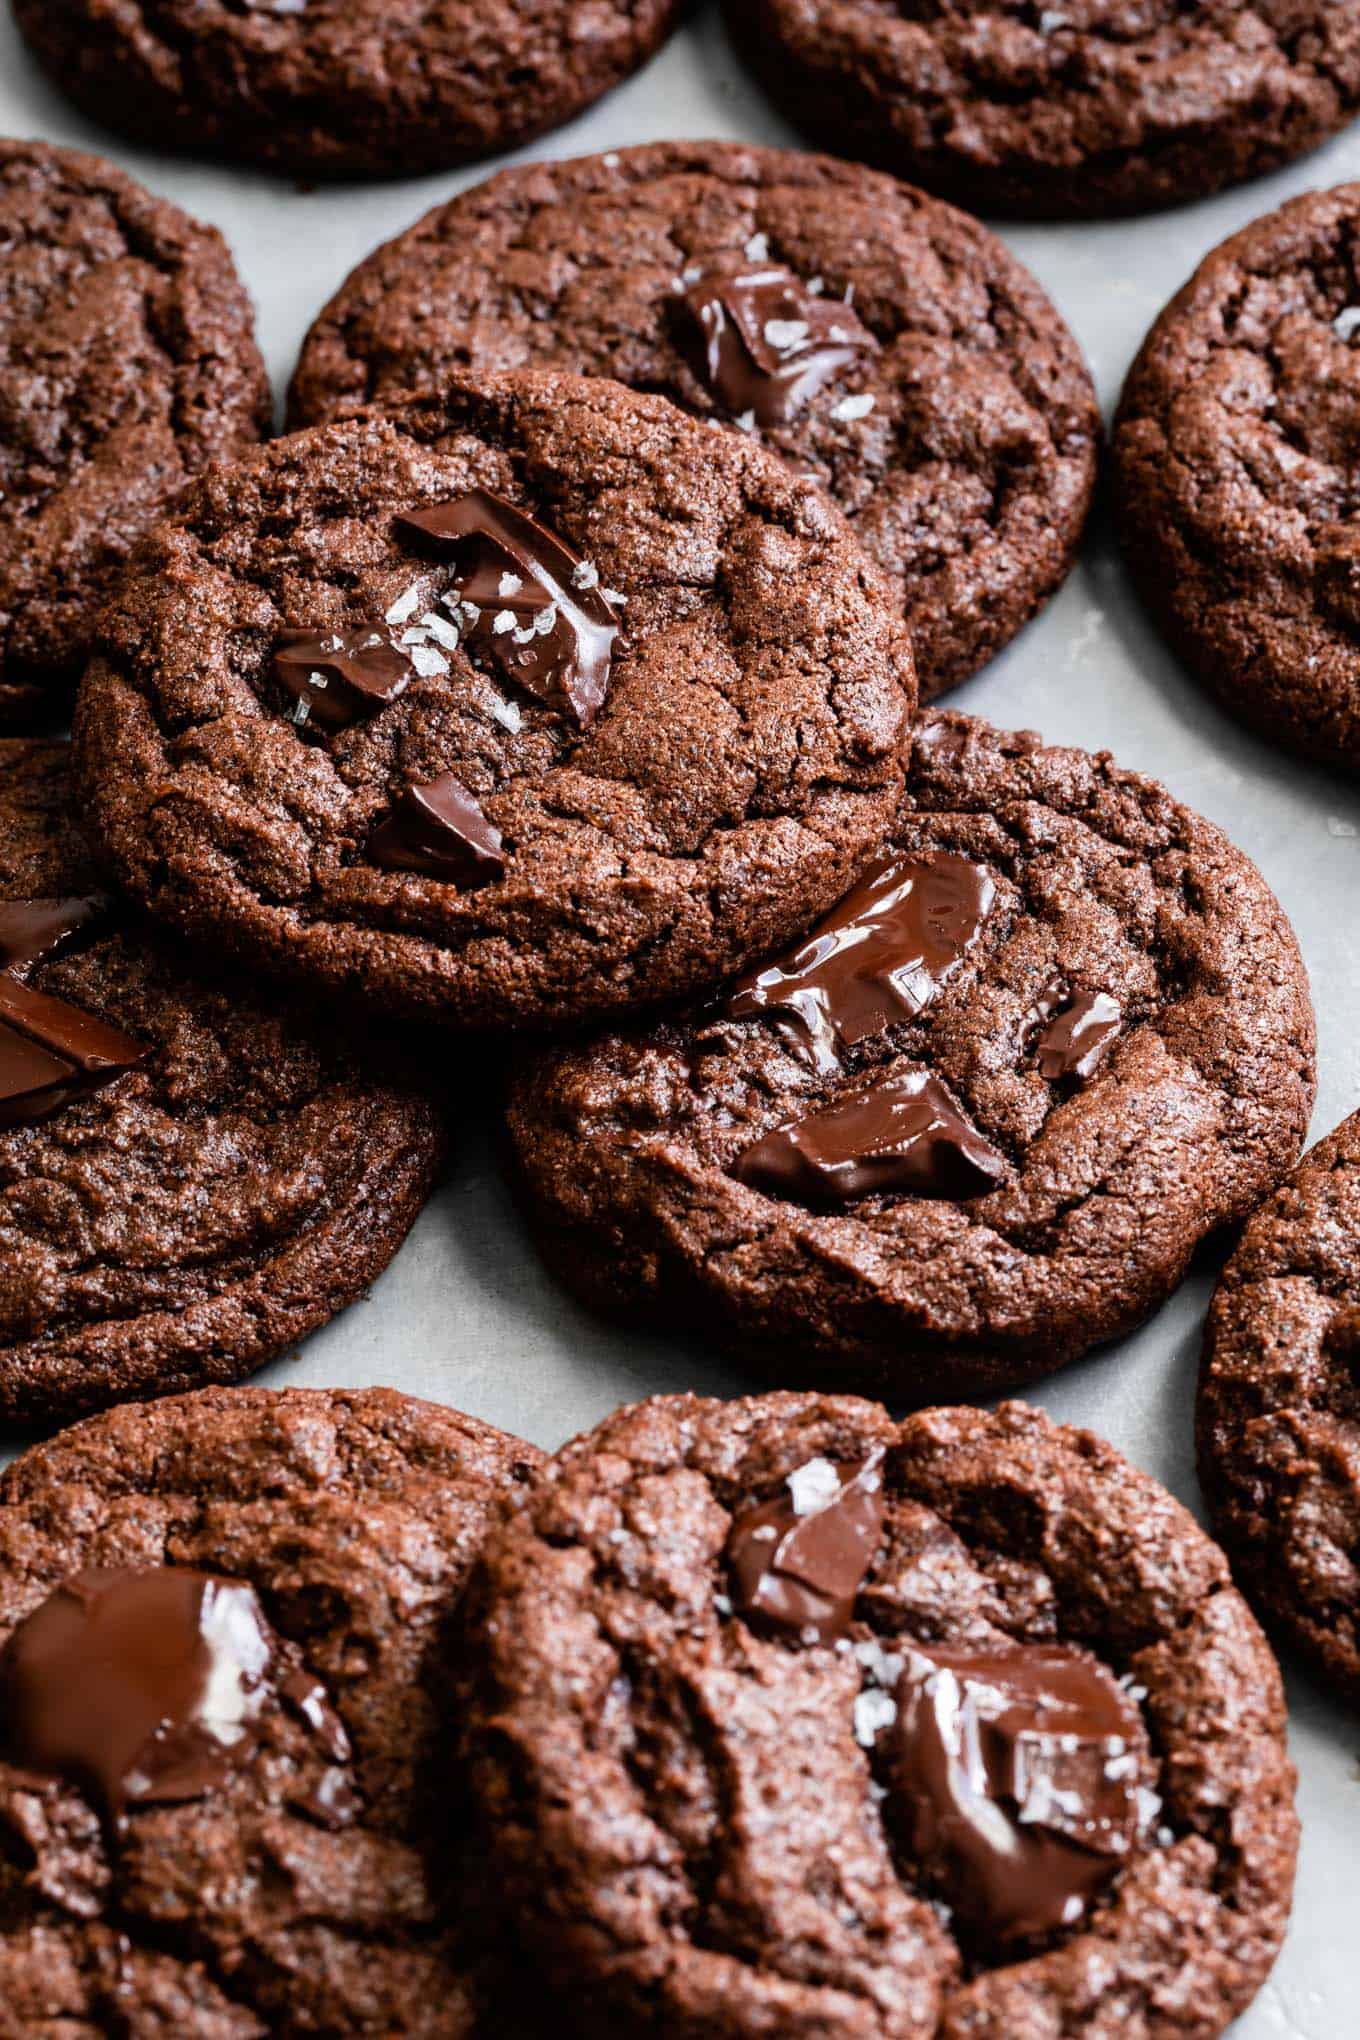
(466, 1315)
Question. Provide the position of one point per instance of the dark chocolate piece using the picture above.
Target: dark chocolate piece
(51, 1053)
(439, 830)
(33, 930)
(144, 1686)
(797, 1562)
(538, 607)
(878, 957)
(1015, 1774)
(340, 676)
(769, 343)
(904, 1135)
(1079, 1034)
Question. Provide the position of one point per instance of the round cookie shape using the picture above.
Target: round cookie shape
(620, 703)
(304, 1872)
(1233, 473)
(711, 1820)
(127, 363)
(329, 88)
(959, 430)
(1091, 109)
(192, 1177)
(1279, 1415)
(977, 1122)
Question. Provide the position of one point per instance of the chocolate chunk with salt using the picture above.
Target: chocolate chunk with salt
(903, 1135)
(1014, 1774)
(341, 676)
(440, 831)
(525, 598)
(798, 1561)
(769, 344)
(144, 1686)
(880, 956)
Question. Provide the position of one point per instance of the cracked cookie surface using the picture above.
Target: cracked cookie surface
(224, 1197)
(250, 1909)
(1279, 1412)
(1236, 477)
(746, 759)
(375, 88)
(963, 449)
(127, 363)
(697, 1818)
(1069, 1198)
(1081, 110)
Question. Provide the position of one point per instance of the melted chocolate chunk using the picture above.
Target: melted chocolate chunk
(904, 1135)
(144, 1687)
(51, 1053)
(1014, 1773)
(769, 344)
(33, 930)
(337, 678)
(878, 957)
(535, 605)
(1079, 1032)
(797, 1562)
(439, 830)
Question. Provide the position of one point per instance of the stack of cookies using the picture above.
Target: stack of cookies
(558, 680)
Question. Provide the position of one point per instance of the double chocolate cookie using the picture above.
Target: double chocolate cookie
(191, 1176)
(1279, 1409)
(228, 1806)
(785, 1718)
(976, 1121)
(530, 703)
(883, 343)
(1235, 471)
(127, 363)
(1083, 109)
(375, 88)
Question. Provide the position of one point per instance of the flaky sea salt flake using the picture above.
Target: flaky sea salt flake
(874, 1711)
(813, 1486)
(428, 661)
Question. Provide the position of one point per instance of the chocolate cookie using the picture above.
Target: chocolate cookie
(785, 1718)
(1080, 110)
(977, 1121)
(1234, 468)
(127, 363)
(529, 703)
(191, 1177)
(917, 370)
(341, 87)
(1279, 1412)
(227, 1801)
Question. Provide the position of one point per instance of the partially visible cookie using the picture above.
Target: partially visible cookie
(369, 88)
(1234, 469)
(785, 1718)
(228, 1802)
(1279, 1409)
(1082, 110)
(192, 1175)
(976, 1122)
(526, 704)
(127, 363)
(921, 375)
